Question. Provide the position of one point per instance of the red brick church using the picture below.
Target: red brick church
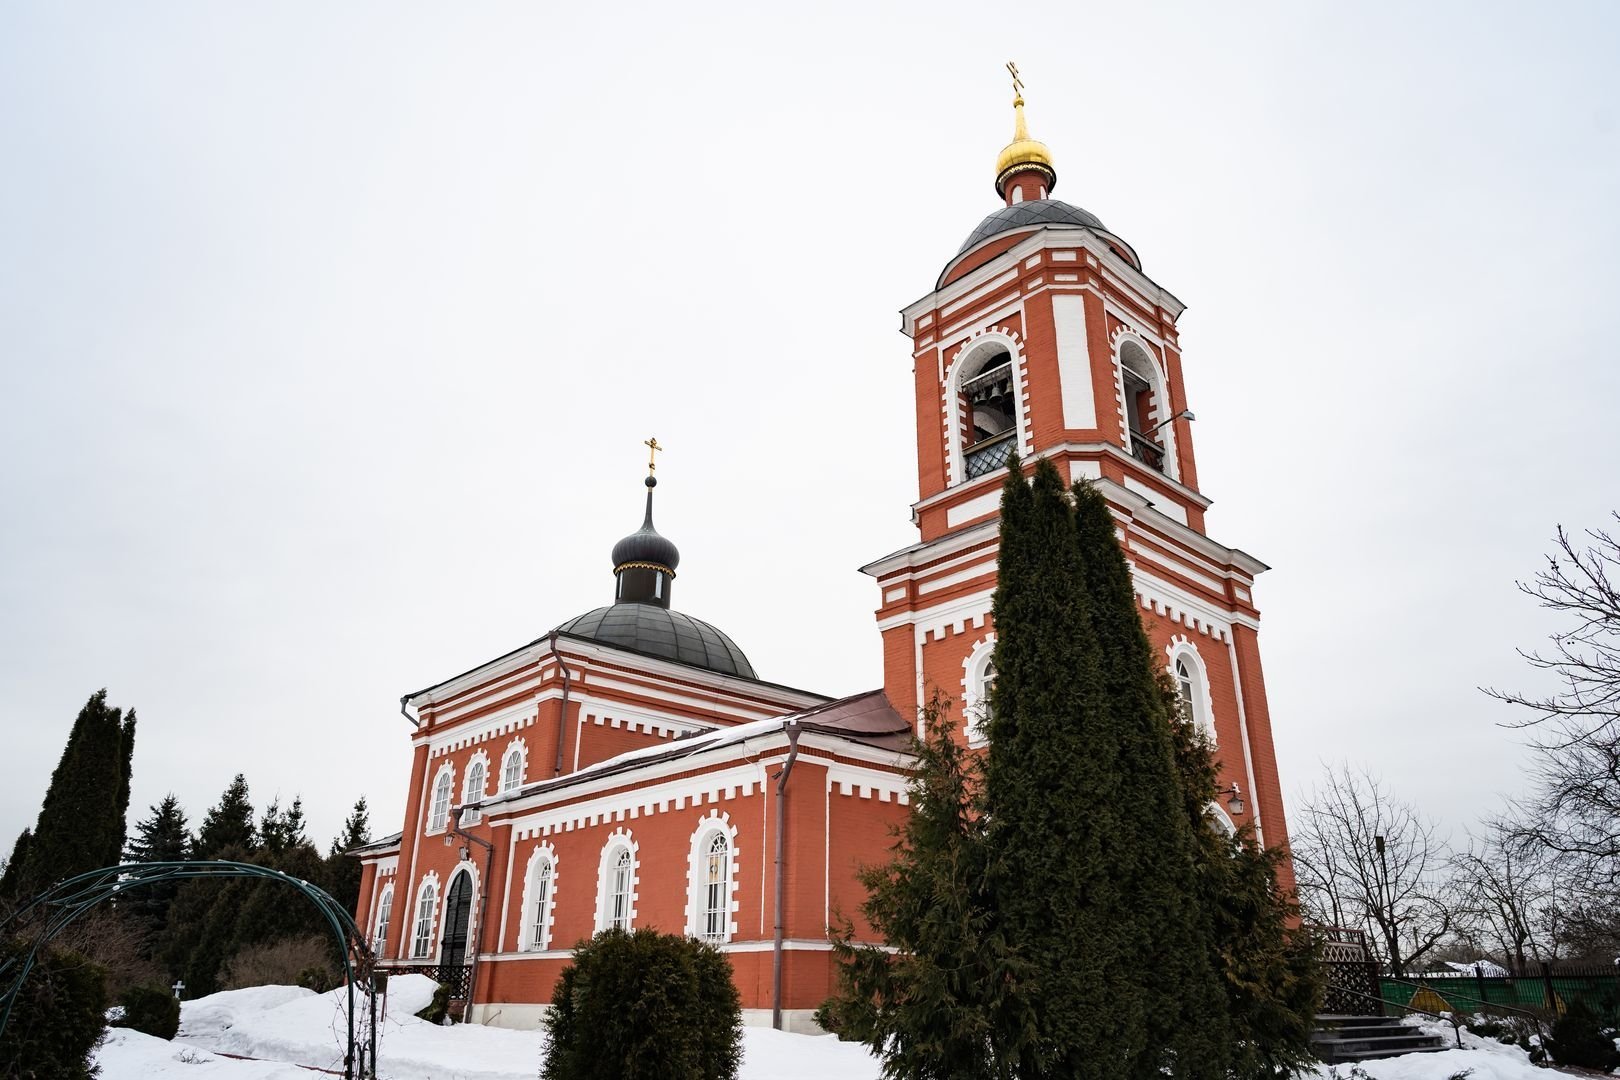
(631, 768)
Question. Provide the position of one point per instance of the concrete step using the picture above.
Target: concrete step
(1336, 1050)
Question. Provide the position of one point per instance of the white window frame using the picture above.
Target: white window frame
(444, 785)
(975, 693)
(1159, 389)
(539, 907)
(1201, 706)
(427, 916)
(472, 800)
(698, 884)
(517, 750)
(607, 881)
(993, 340)
(385, 911)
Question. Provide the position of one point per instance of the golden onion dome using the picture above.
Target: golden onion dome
(1023, 153)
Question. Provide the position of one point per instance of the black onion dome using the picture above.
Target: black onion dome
(658, 631)
(647, 544)
(1026, 215)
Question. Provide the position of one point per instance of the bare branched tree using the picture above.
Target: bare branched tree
(1575, 805)
(1505, 892)
(1363, 857)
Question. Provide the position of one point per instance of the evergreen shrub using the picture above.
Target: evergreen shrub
(150, 1009)
(436, 1010)
(58, 1019)
(1578, 1038)
(644, 1006)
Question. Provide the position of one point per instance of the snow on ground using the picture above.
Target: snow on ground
(286, 1027)
(1480, 1058)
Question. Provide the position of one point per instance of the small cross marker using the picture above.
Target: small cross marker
(652, 453)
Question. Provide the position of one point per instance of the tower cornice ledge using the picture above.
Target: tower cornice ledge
(1042, 239)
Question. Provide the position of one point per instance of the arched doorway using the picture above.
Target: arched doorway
(457, 916)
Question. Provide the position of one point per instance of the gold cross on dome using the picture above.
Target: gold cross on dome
(652, 453)
(1018, 83)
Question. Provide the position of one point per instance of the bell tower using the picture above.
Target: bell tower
(1043, 335)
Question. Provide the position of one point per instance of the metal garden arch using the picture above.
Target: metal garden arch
(51, 912)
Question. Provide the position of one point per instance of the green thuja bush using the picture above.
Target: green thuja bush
(1578, 1038)
(57, 1020)
(150, 1009)
(644, 1006)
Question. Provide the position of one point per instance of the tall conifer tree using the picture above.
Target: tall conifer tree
(81, 822)
(342, 869)
(944, 1000)
(1268, 971)
(1151, 846)
(229, 824)
(1051, 795)
(161, 836)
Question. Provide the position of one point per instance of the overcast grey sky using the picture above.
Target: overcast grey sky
(329, 334)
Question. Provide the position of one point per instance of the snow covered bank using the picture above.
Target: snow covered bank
(286, 1027)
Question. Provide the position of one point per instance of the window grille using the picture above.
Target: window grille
(473, 794)
(385, 909)
(716, 889)
(441, 802)
(422, 941)
(512, 770)
(619, 891)
(542, 901)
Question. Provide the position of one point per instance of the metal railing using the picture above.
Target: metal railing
(1449, 995)
(988, 454)
(1147, 451)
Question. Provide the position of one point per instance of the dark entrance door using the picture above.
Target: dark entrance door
(457, 913)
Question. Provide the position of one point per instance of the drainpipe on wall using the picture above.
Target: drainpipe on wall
(415, 723)
(562, 715)
(793, 731)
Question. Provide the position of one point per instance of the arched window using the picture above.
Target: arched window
(472, 793)
(422, 938)
(616, 890)
(1192, 686)
(988, 404)
(978, 679)
(538, 916)
(385, 909)
(713, 854)
(1146, 405)
(512, 769)
(441, 801)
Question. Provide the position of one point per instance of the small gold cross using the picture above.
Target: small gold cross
(652, 453)
(1018, 83)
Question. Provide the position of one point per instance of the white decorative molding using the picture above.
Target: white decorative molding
(506, 722)
(446, 776)
(854, 782)
(985, 339)
(711, 823)
(520, 747)
(1074, 361)
(1182, 648)
(975, 703)
(738, 781)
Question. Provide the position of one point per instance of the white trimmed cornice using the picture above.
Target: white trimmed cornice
(1122, 274)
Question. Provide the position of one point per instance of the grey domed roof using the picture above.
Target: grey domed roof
(657, 631)
(1026, 215)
